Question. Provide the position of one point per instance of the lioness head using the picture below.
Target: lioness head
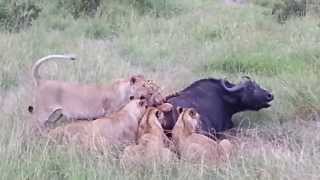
(153, 119)
(189, 119)
(145, 89)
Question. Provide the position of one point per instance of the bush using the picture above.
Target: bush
(18, 14)
(80, 7)
(289, 8)
(157, 7)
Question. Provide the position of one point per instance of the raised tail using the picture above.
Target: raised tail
(36, 66)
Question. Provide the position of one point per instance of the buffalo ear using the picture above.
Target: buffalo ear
(179, 109)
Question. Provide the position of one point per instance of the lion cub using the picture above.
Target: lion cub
(118, 129)
(151, 140)
(82, 101)
(196, 147)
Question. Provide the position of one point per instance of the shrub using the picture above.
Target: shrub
(157, 7)
(289, 8)
(18, 14)
(80, 7)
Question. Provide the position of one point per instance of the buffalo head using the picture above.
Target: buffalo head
(249, 95)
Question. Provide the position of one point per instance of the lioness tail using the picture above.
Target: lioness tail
(36, 66)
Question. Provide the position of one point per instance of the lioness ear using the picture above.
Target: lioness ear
(179, 109)
(165, 107)
(133, 80)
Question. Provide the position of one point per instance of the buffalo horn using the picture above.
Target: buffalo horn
(231, 89)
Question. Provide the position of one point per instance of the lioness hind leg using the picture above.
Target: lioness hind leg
(227, 147)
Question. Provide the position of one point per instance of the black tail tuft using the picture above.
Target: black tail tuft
(30, 109)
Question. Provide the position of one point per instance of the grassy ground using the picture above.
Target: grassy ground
(183, 41)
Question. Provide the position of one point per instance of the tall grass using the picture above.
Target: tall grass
(173, 42)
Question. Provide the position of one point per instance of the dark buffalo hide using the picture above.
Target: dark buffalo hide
(216, 100)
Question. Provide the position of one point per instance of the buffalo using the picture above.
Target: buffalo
(217, 100)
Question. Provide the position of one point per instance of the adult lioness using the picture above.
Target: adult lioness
(196, 147)
(79, 101)
(118, 129)
(152, 141)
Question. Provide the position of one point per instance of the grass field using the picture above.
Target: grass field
(174, 42)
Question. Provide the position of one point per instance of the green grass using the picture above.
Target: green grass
(173, 42)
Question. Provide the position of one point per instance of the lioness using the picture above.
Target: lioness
(78, 101)
(118, 129)
(152, 141)
(196, 147)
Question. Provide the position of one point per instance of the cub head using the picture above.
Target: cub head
(145, 89)
(136, 107)
(153, 119)
(189, 119)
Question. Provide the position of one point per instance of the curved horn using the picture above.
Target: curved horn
(246, 77)
(231, 89)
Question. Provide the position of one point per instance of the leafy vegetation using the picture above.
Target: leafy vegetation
(18, 14)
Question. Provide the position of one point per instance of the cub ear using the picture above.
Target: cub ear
(165, 107)
(179, 109)
(158, 114)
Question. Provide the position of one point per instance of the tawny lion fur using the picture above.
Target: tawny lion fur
(118, 129)
(196, 147)
(152, 144)
(79, 101)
